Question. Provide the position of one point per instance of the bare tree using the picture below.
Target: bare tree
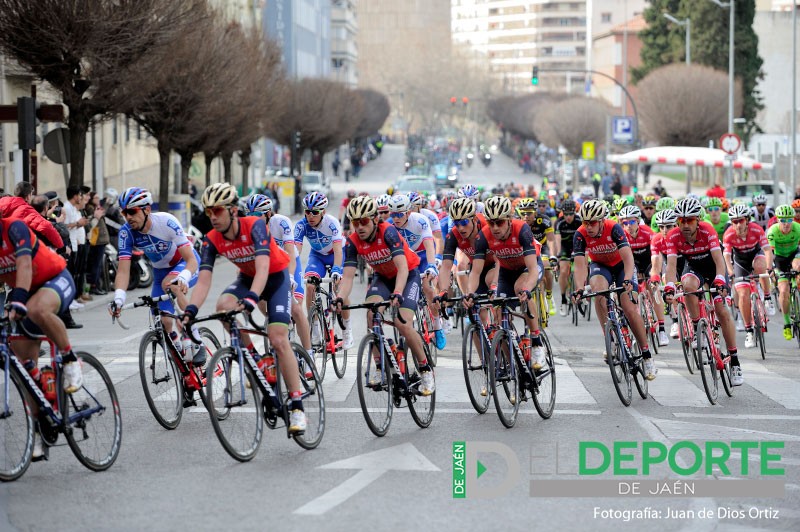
(571, 122)
(682, 105)
(376, 110)
(86, 50)
(517, 114)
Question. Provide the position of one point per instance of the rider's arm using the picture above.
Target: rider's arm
(728, 262)
(719, 262)
(207, 259)
(430, 251)
(579, 256)
(443, 282)
(299, 235)
(533, 271)
(448, 254)
(187, 254)
(20, 237)
(350, 265)
(337, 252)
(672, 269)
(125, 247)
(627, 260)
(289, 248)
(478, 261)
(555, 247)
(402, 273)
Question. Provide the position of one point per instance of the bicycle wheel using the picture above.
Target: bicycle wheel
(544, 393)
(16, 427)
(241, 430)
(708, 366)
(92, 422)
(573, 308)
(210, 344)
(620, 373)
(161, 382)
(375, 400)
(725, 377)
(685, 337)
(420, 406)
(473, 360)
(313, 400)
(339, 358)
(795, 314)
(425, 323)
(319, 345)
(650, 321)
(503, 380)
(637, 371)
(758, 324)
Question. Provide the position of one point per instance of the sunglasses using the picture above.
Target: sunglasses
(686, 221)
(591, 223)
(497, 223)
(785, 220)
(738, 221)
(358, 222)
(396, 215)
(527, 212)
(666, 227)
(648, 207)
(216, 211)
(761, 204)
(713, 209)
(630, 222)
(315, 213)
(461, 223)
(132, 211)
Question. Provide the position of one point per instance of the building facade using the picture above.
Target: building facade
(344, 45)
(612, 52)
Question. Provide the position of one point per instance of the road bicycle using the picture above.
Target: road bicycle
(580, 308)
(647, 310)
(758, 311)
(388, 374)
(685, 330)
(475, 348)
(168, 380)
(326, 333)
(89, 419)
(423, 319)
(242, 390)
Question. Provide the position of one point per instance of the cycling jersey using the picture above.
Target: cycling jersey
(640, 246)
(784, 245)
(416, 231)
(253, 240)
(762, 219)
(753, 242)
(321, 237)
(566, 231)
(280, 228)
(509, 253)
(541, 227)
(697, 254)
(444, 223)
(379, 253)
(20, 241)
(549, 212)
(603, 249)
(454, 241)
(160, 244)
(433, 220)
(479, 206)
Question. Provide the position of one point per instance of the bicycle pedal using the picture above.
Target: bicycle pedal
(187, 403)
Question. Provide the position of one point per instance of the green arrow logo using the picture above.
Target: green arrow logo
(481, 468)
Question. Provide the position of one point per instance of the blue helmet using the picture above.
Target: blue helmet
(135, 197)
(469, 191)
(315, 201)
(416, 199)
(259, 204)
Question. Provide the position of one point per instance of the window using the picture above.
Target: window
(138, 131)
(127, 129)
(605, 18)
(114, 131)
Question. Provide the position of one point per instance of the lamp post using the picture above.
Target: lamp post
(793, 159)
(731, 6)
(688, 23)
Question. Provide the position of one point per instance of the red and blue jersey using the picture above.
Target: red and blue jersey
(509, 253)
(603, 249)
(380, 253)
(252, 240)
(19, 241)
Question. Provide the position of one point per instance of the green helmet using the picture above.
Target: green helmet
(665, 203)
(629, 200)
(609, 208)
(739, 201)
(619, 204)
(784, 211)
(714, 202)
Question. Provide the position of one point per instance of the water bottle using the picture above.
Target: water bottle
(188, 349)
(47, 381)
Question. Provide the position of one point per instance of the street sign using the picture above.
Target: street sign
(730, 143)
(54, 147)
(587, 150)
(623, 130)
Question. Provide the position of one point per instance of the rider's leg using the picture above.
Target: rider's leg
(691, 283)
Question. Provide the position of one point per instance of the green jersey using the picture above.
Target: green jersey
(720, 227)
(784, 245)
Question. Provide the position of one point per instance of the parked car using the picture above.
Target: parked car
(316, 182)
(423, 184)
(746, 191)
(446, 175)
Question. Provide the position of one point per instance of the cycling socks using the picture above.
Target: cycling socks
(734, 356)
(297, 402)
(661, 325)
(68, 356)
(646, 353)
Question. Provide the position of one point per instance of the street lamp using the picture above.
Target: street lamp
(729, 5)
(688, 23)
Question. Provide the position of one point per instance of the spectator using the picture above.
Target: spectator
(336, 162)
(596, 181)
(616, 186)
(659, 190)
(18, 206)
(716, 191)
(192, 189)
(605, 183)
(83, 249)
(347, 167)
(75, 222)
(98, 238)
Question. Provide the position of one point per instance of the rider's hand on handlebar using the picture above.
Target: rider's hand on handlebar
(669, 292)
(249, 301)
(577, 295)
(524, 295)
(469, 300)
(189, 314)
(396, 299)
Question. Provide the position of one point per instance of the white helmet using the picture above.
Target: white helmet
(498, 207)
(384, 203)
(666, 217)
(399, 203)
(688, 208)
(739, 211)
(629, 211)
(593, 210)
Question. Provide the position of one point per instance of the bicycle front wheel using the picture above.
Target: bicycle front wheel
(638, 374)
(241, 430)
(618, 366)
(161, 382)
(503, 379)
(473, 359)
(339, 357)
(795, 314)
(420, 406)
(319, 335)
(374, 382)
(708, 366)
(313, 400)
(92, 422)
(758, 323)
(16, 427)
(685, 337)
(544, 393)
(210, 344)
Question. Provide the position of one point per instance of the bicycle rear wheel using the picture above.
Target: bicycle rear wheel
(241, 430)
(503, 380)
(638, 373)
(651, 322)
(339, 357)
(92, 422)
(544, 392)
(161, 382)
(425, 323)
(685, 337)
(319, 344)
(620, 373)
(375, 400)
(758, 323)
(210, 344)
(16, 427)
(313, 400)
(473, 360)
(725, 377)
(795, 314)
(420, 406)
(708, 366)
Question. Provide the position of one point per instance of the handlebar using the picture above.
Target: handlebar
(374, 307)
(751, 277)
(144, 301)
(228, 315)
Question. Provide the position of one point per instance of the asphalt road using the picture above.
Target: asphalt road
(183, 479)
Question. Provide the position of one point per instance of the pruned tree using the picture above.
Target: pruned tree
(682, 105)
(86, 50)
(376, 111)
(517, 114)
(571, 122)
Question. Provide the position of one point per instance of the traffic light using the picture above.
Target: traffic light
(535, 76)
(453, 100)
(27, 122)
(465, 101)
(297, 139)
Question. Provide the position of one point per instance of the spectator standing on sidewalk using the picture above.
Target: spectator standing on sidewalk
(75, 223)
(98, 238)
(347, 167)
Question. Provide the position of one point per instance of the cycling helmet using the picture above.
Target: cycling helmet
(619, 205)
(629, 199)
(692, 195)
(498, 207)
(714, 202)
(666, 217)
(725, 204)
(416, 199)
(351, 193)
(704, 201)
(630, 211)
(527, 204)
(135, 197)
(650, 201)
(468, 191)
(665, 203)
(568, 207)
(461, 209)
(587, 193)
(593, 210)
(112, 194)
(383, 202)
(759, 199)
(315, 201)
(743, 211)
(399, 203)
(220, 195)
(784, 211)
(688, 208)
(435, 205)
(796, 204)
(361, 207)
(259, 204)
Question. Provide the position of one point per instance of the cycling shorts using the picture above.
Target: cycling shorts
(64, 287)
(277, 293)
(613, 274)
(158, 277)
(383, 287)
(318, 264)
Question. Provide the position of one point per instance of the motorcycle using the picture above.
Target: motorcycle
(487, 159)
(469, 160)
(141, 273)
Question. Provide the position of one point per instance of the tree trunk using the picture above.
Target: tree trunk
(163, 178)
(186, 164)
(244, 157)
(209, 158)
(316, 160)
(78, 124)
(226, 166)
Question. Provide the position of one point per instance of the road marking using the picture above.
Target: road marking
(336, 389)
(674, 389)
(776, 387)
(569, 388)
(371, 466)
(356, 410)
(684, 430)
(736, 416)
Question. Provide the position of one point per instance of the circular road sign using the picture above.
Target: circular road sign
(730, 143)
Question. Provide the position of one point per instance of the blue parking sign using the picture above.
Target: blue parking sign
(623, 130)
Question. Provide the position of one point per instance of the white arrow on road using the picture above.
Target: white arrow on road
(372, 465)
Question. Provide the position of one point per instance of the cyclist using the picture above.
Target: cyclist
(281, 229)
(784, 237)
(519, 263)
(542, 228)
(612, 262)
(639, 237)
(718, 219)
(472, 192)
(175, 262)
(698, 242)
(383, 207)
(565, 233)
(761, 212)
(417, 202)
(343, 219)
(661, 205)
(396, 277)
(665, 221)
(649, 209)
(747, 251)
(416, 230)
(325, 236)
(796, 207)
(263, 275)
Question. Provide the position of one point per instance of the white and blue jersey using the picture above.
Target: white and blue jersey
(433, 219)
(444, 223)
(280, 227)
(322, 237)
(416, 232)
